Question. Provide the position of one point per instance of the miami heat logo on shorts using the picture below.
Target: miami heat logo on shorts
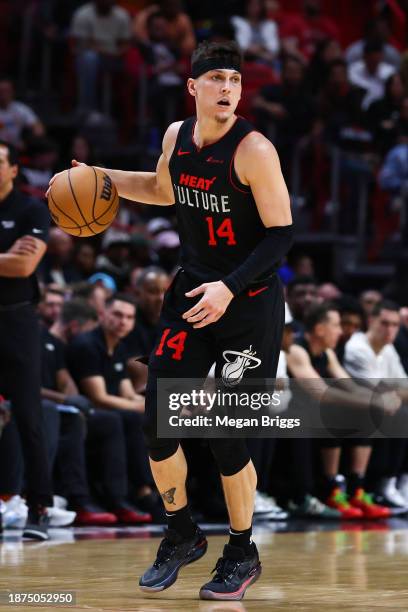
(233, 371)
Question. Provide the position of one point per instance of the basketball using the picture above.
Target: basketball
(83, 201)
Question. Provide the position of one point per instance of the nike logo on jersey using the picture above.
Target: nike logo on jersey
(253, 292)
(180, 152)
(211, 160)
(37, 231)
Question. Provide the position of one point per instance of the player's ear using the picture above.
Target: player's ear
(191, 87)
(14, 170)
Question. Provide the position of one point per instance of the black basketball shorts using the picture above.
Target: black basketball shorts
(244, 343)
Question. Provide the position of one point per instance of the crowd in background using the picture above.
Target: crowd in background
(308, 81)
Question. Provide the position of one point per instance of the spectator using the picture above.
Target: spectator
(105, 438)
(101, 33)
(401, 341)
(50, 305)
(394, 172)
(327, 292)
(76, 317)
(167, 81)
(17, 120)
(148, 289)
(351, 320)
(59, 391)
(301, 264)
(368, 300)
(279, 113)
(94, 294)
(40, 167)
(314, 358)
(383, 116)
(57, 264)
(371, 72)
(257, 35)
(376, 29)
(339, 105)
(97, 361)
(372, 356)
(179, 26)
(327, 51)
(301, 295)
(84, 260)
(114, 260)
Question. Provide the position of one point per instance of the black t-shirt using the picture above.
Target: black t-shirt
(87, 355)
(319, 362)
(21, 216)
(142, 338)
(52, 359)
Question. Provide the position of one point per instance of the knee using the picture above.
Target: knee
(231, 455)
(159, 448)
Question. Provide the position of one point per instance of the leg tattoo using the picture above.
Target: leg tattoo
(168, 496)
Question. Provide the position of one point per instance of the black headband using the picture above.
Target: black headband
(213, 63)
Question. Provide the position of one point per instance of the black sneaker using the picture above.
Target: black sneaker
(36, 527)
(173, 553)
(235, 572)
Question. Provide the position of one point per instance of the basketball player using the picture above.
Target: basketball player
(235, 226)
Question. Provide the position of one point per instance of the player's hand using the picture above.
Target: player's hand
(74, 163)
(212, 305)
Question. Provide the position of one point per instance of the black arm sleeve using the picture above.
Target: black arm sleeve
(266, 254)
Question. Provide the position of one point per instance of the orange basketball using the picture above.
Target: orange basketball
(83, 201)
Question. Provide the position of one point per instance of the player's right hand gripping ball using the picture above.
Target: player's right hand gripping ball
(83, 201)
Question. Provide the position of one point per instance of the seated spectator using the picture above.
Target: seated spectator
(76, 317)
(97, 362)
(313, 358)
(371, 72)
(84, 260)
(148, 290)
(351, 320)
(40, 166)
(393, 175)
(280, 115)
(17, 120)
(50, 305)
(339, 105)
(368, 300)
(401, 341)
(167, 72)
(56, 266)
(105, 443)
(372, 356)
(95, 294)
(114, 259)
(383, 116)
(101, 35)
(328, 292)
(301, 295)
(375, 29)
(179, 25)
(256, 35)
(327, 52)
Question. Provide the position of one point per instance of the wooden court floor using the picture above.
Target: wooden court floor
(363, 571)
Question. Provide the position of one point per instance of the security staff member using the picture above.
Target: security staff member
(24, 228)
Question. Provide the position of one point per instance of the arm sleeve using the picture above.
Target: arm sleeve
(36, 221)
(268, 253)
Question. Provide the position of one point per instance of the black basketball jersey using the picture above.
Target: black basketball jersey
(218, 221)
(319, 362)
